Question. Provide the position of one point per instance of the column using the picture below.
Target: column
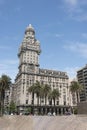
(57, 111)
(61, 111)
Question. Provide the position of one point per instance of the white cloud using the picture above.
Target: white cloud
(58, 35)
(84, 35)
(4, 47)
(79, 48)
(10, 62)
(76, 9)
(10, 37)
(9, 67)
(18, 9)
(71, 71)
(75, 3)
(80, 17)
(71, 2)
(10, 72)
(83, 2)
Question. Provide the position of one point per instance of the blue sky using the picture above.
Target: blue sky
(61, 28)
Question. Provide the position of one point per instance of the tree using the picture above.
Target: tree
(5, 82)
(41, 93)
(50, 97)
(75, 87)
(28, 110)
(54, 95)
(38, 89)
(12, 107)
(32, 90)
(46, 91)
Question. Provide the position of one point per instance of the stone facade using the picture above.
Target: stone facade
(10, 95)
(30, 72)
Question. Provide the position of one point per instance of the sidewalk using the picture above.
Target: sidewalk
(70, 122)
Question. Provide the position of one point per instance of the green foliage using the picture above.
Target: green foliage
(36, 88)
(32, 90)
(5, 82)
(75, 110)
(54, 95)
(46, 91)
(75, 87)
(28, 110)
(43, 91)
(12, 107)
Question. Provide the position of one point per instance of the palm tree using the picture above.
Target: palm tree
(50, 97)
(75, 87)
(38, 89)
(5, 82)
(32, 90)
(54, 95)
(41, 94)
(46, 91)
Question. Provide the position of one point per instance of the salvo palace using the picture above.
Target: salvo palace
(30, 72)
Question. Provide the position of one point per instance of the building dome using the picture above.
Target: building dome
(29, 28)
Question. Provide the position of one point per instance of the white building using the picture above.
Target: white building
(10, 96)
(30, 72)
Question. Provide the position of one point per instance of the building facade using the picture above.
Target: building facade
(30, 72)
(9, 96)
(82, 79)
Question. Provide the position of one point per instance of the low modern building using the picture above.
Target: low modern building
(30, 72)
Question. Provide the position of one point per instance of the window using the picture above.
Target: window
(64, 102)
(26, 101)
(50, 102)
(42, 101)
(64, 97)
(64, 91)
(57, 103)
(27, 82)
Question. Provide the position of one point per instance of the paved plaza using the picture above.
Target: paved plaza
(70, 122)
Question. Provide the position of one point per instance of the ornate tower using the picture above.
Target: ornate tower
(28, 52)
(28, 65)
